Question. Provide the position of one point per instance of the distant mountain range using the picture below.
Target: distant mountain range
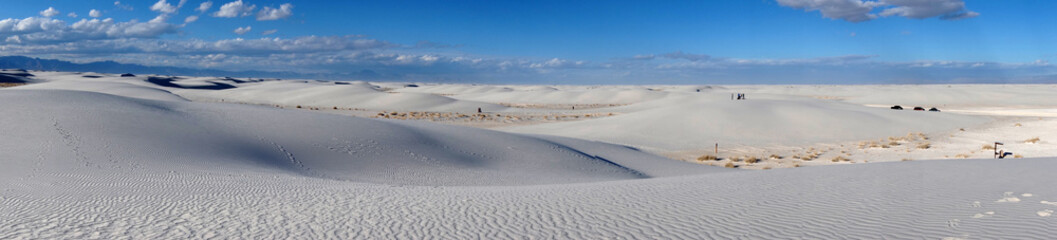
(28, 63)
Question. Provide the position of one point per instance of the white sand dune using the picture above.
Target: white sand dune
(942, 96)
(347, 95)
(692, 121)
(110, 131)
(109, 157)
(924, 199)
(570, 96)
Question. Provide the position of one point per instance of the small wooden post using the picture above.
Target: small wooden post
(717, 150)
(996, 149)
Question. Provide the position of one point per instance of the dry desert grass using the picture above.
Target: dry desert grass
(7, 85)
(707, 157)
(1032, 141)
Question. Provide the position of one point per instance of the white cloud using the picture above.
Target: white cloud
(677, 55)
(160, 19)
(918, 9)
(204, 6)
(687, 56)
(181, 4)
(863, 10)
(108, 28)
(268, 13)
(190, 19)
(163, 7)
(46, 30)
(95, 13)
(243, 30)
(556, 63)
(118, 4)
(960, 15)
(50, 12)
(235, 9)
(848, 10)
(13, 39)
(269, 32)
(71, 14)
(29, 25)
(238, 46)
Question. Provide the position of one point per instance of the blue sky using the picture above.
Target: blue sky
(569, 42)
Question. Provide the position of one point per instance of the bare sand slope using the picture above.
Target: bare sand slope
(698, 121)
(137, 161)
(77, 130)
(957, 96)
(956, 199)
(359, 95)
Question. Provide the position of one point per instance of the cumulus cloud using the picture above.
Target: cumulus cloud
(243, 30)
(960, 15)
(72, 15)
(686, 56)
(190, 19)
(674, 55)
(556, 63)
(46, 30)
(860, 10)
(269, 32)
(233, 47)
(12, 26)
(163, 7)
(204, 6)
(848, 10)
(235, 9)
(95, 13)
(50, 12)
(916, 9)
(268, 13)
(118, 5)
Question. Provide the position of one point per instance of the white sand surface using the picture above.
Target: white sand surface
(90, 156)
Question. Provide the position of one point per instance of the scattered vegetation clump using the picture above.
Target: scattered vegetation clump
(987, 147)
(298, 106)
(924, 145)
(1032, 141)
(5, 85)
(907, 159)
(729, 165)
(1018, 156)
(961, 129)
(962, 155)
(808, 156)
(735, 159)
(840, 159)
(767, 168)
(751, 160)
(707, 157)
(1018, 125)
(775, 157)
